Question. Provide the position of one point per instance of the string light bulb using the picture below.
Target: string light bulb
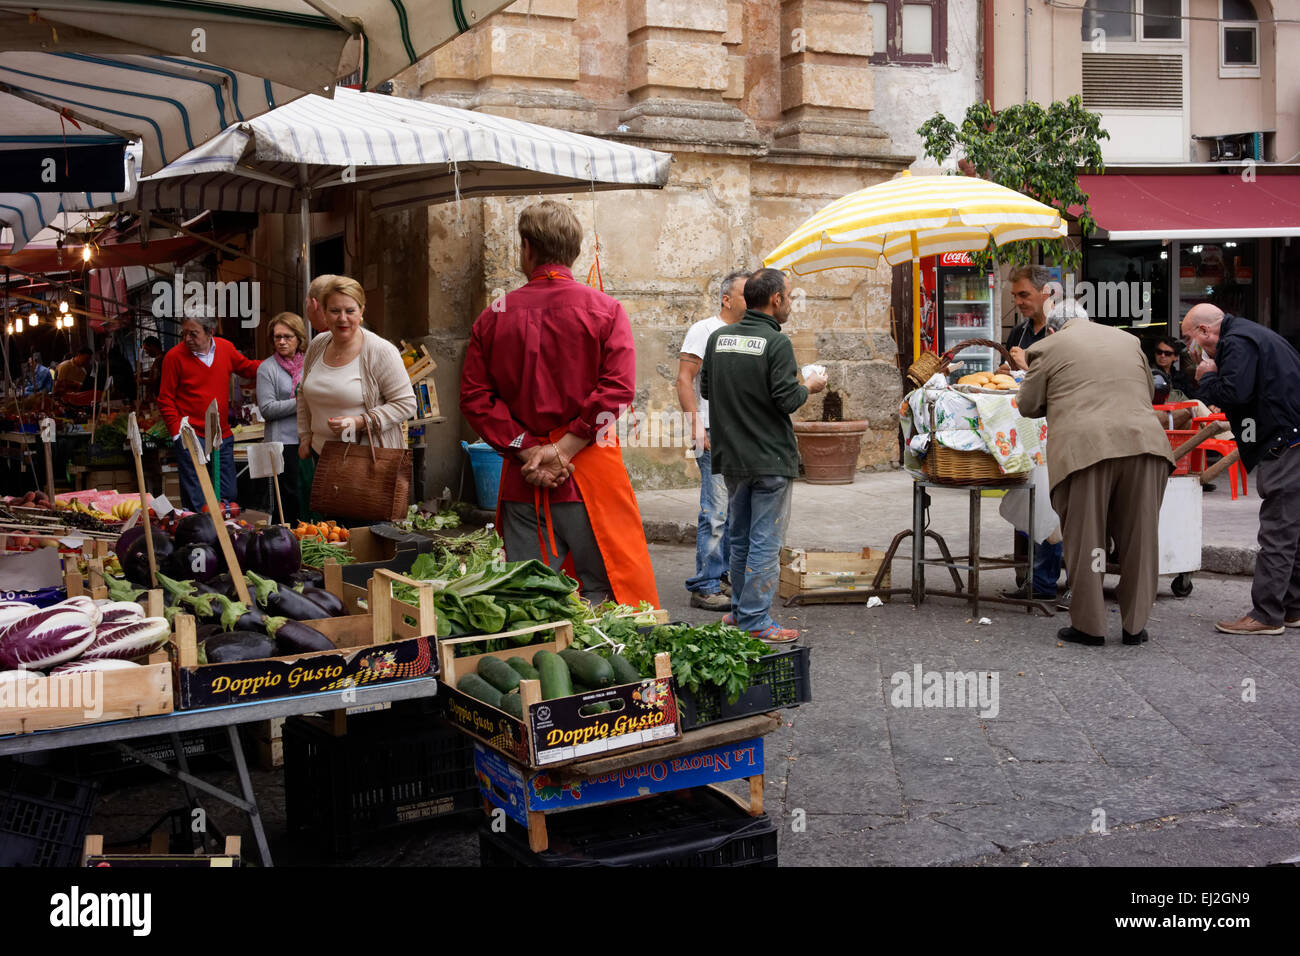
(31, 320)
(63, 307)
(85, 253)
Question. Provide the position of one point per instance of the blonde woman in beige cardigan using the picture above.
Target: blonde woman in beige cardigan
(349, 373)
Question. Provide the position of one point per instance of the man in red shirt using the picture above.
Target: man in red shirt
(194, 372)
(550, 367)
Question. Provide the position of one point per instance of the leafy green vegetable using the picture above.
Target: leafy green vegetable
(714, 654)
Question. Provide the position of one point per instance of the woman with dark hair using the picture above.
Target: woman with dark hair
(1182, 386)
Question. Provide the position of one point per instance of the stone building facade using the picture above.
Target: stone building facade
(769, 109)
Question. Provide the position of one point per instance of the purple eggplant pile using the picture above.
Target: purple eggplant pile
(76, 635)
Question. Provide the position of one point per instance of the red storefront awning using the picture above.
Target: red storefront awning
(1174, 206)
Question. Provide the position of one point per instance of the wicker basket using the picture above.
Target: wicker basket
(948, 466)
(920, 371)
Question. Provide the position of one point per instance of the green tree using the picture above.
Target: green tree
(1036, 151)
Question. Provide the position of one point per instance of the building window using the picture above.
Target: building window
(1127, 21)
(909, 32)
(1238, 39)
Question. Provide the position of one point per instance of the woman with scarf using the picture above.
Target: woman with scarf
(277, 398)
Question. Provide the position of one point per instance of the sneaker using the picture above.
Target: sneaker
(1022, 594)
(729, 619)
(711, 602)
(725, 588)
(1247, 625)
(1292, 620)
(776, 635)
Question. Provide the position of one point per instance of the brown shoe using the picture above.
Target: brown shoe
(1292, 620)
(1247, 625)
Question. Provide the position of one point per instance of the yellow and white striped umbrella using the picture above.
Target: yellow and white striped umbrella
(910, 217)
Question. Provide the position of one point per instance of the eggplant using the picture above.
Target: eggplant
(237, 646)
(235, 616)
(275, 553)
(135, 558)
(195, 562)
(294, 637)
(223, 583)
(195, 529)
(310, 577)
(282, 601)
(244, 541)
(330, 605)
(205, 631)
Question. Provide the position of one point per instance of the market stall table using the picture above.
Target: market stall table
(230, 717)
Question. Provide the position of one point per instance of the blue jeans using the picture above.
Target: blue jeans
(759, 514)
(712, 544)
(191, 492)
(1047, 565)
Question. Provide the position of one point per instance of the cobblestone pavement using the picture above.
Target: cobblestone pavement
(1186, 750)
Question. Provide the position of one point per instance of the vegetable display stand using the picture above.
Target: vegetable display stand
(390, 643)
(43, 816)
(695, 828)
(93, 697)
(832, 576)
(391, 769)
(562, 729)
(93, 855)
(712, 755)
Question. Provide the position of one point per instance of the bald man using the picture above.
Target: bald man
(1252, 373)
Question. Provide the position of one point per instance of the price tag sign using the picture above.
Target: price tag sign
(265, 459)
(212, 426)
(47, 430)
(133, 435)
(187, 427)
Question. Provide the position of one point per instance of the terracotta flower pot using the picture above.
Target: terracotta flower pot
(829, 450)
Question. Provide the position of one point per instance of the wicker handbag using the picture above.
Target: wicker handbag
(351, 484)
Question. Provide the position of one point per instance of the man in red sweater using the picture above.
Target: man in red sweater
(194, 372)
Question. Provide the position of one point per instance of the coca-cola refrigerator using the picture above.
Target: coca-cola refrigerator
(957, 304)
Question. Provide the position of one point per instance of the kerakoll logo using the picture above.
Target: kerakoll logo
(946, 689)
(77, 909)
(179, 299)
(83, 691)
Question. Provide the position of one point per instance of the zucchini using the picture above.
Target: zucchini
(479, 689)
(592, 669)
(524, 669)
(554, 675)
(499, 674)
(513, 705)
(624, 672)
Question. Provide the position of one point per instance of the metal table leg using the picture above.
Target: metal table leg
(250, 798)
(199, 841)
(918, 544)
(1029, 573)
(974, 574)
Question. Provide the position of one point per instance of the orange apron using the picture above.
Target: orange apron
(615, 521)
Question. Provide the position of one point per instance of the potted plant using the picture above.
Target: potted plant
(829, 448)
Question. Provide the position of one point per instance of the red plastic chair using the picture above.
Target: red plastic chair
(1226, 447)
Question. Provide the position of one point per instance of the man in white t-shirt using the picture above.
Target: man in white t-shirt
(712, 557)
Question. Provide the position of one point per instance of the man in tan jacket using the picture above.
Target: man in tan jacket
(1107, 461)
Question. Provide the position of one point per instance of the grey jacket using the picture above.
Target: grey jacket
(277, 403)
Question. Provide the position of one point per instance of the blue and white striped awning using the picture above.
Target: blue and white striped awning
(404, 152)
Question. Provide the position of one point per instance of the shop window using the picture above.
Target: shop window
(1127, 21)
(1238, 39)
(909, 32)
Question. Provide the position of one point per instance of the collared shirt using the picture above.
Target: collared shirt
(207, 357)
(1023, 335)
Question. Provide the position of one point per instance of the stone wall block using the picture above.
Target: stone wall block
(826, 85)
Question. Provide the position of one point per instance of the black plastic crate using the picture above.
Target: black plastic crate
(43, 816)
(697, 828)
(391, 768)
(783, 679)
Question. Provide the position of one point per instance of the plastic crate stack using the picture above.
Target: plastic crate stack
(43, 816)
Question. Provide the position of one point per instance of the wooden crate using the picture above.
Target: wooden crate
(830, 575)
(158, 855)
(390, 643)
(557, 733)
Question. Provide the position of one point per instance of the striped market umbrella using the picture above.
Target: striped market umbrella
(909, 218)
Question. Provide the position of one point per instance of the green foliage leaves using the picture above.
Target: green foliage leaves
(1034, 150)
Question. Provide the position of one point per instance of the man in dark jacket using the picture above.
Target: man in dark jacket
(751, 381)
(1251, 373)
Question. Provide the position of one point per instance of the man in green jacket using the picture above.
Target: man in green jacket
(751, 381)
